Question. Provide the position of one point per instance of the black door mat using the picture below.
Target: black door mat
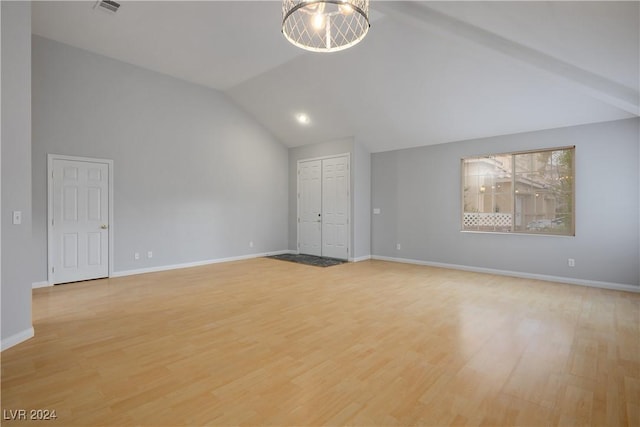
(318, 261)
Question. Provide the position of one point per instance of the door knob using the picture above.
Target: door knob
(104, 226)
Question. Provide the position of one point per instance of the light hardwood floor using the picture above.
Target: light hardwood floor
(267, 342)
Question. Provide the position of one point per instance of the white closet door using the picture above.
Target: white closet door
(80, 221)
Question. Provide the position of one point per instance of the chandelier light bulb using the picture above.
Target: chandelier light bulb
(317, 21)
(345, 9)
(311, 7)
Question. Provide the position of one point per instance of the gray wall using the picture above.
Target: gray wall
(16, 171)
(418, 192)
(360, 190)
(362, 201)
(196, 178)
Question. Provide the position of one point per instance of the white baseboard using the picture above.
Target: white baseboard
(16, 339)
(360, 258)
(42, 284)
(548, 278)
(285, 251)
(197, 263)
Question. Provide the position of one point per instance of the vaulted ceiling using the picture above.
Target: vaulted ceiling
(427, 72)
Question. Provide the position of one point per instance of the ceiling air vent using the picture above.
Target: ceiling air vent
(107, 5)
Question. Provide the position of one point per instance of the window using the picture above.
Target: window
(526, 192)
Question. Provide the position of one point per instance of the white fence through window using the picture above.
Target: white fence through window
(488, 219)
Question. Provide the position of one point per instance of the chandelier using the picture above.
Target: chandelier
(325, 25)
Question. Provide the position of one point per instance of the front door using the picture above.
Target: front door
(79, 220)
(335, 207)
(310, 207)
(323, 207)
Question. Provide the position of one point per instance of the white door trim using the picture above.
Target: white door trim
(50, 250)
(333, 156)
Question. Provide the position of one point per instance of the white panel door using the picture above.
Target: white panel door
(310, 207)
(80, 221)
(335, 207)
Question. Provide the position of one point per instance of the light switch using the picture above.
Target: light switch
(17, 217)
(376, 211)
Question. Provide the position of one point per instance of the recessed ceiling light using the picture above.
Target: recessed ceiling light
(303, 119)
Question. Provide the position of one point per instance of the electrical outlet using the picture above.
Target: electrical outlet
(136, 256)
(571, 262)
(251, 244)
(149, 254)
(398, 246)
(17, 217)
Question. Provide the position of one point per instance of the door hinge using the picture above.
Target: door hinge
(53, 270)
(298, 220)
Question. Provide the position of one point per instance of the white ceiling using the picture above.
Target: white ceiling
(427, 73)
